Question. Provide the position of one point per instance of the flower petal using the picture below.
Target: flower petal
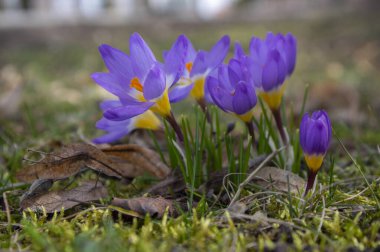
(258, 50)
(244, 99)
(235, 71)
(117, 62)
(220, 96)
(199, 65)
(291, 52)
(191, 52)
(218, 53)
(322, 116)
(274, 71)
(109, 82)
(175, 60)
(110, 137)
(141, 55)
(255, 71)
(239, 51)
(154, 84)
(316, 138)
(126, 112)
(315, 133)
(224, 78)
(179, 92)
(107, 104)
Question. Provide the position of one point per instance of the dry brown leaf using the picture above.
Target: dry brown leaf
(138, 160)
(278, 178)
(61, 164)
(143, 205)
(56, 200)
(172, 185)
(120, 162)
(38, 187)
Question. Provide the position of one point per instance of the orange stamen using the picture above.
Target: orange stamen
(135, 83)
(189, 66)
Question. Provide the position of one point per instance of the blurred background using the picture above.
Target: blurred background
(48, 49)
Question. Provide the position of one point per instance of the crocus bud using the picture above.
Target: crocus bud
(315, 135)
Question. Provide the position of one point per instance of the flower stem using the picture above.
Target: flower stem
(172, 121)
(203, 105)
(251, 132)
(277, 117)
(310, 181)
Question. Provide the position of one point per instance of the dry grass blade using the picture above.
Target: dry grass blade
(143, 205)
(253, 174)
(58, 200)
(358, 167)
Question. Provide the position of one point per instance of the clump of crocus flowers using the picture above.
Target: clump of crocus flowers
(146, 88)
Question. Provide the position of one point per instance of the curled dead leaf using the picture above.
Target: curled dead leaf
(279, 179)
(143, 205)
(138, 159)
(38, 187)
(119, 161)
(58, 200)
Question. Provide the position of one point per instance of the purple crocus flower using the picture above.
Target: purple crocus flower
(315, 136)
(118, 129)
(271, 60)
(198, 65)
(232, 89)
(139, 80)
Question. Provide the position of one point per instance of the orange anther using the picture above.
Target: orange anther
(189, 66)
(135, 83)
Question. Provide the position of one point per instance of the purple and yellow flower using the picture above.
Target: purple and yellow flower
(232, 90)
(118, 129)
(139, 81)
(198, 65)
(315, 136)
(271, 61)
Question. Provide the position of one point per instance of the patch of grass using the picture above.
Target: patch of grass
(60, 103)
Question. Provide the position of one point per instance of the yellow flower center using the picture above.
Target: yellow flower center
(147, 120)
(198, 91)
(162, 106)
(314, 162)
(273, 98)
(247, 117)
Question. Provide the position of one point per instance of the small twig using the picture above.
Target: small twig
(86, 203)
(353, 196)
(251, 176)
(13, 187)
(269, 220)
(13, 224)
(7, 210)
(74, 215)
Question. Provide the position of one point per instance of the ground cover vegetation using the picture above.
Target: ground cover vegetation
(224, 170)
